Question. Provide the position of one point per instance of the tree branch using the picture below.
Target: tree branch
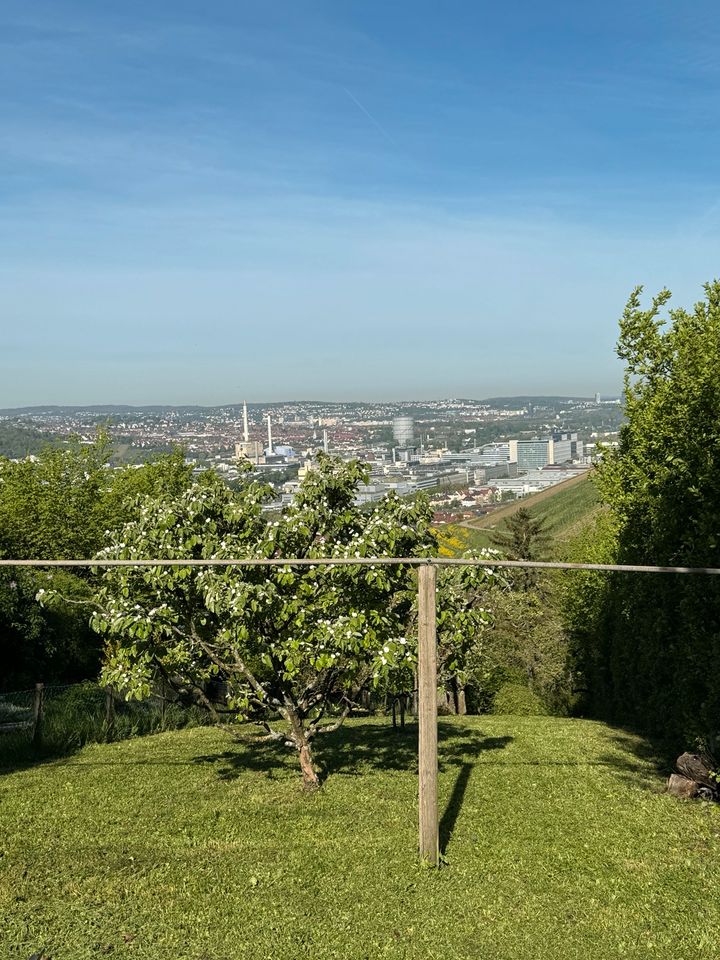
(329, 727)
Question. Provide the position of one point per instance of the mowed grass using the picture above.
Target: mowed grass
(559, 842)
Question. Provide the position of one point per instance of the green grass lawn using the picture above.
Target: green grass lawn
(558, 838)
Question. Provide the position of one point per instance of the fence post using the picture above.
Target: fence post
(38, 711)
(109, 712)
(427, 717)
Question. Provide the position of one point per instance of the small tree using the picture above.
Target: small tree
(462, 622)
(523, 538)
(529, 645)
(63, 503)
(291, 642)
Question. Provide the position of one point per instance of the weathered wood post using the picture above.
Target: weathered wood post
(38, 704)
(427, 716)
(109, 713)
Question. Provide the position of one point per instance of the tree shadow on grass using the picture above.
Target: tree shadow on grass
(355, 750)
(454, 805)
(638, 761)
(366, 748)
(18, 753)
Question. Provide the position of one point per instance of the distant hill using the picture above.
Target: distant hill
(114, 409)
(107, 409)
(18, 440)
(523, 401)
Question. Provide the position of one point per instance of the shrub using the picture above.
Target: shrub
(516, 699)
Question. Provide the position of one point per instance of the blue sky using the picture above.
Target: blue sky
(352, 200)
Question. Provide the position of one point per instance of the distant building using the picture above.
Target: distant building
(404, 431)
(547, 451)
(405, 455)
(491, 471)
(493, 453)
(533, 454)
(282, 450)
(250, 450)
(567, 447)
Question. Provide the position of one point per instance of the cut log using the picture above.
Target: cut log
(692, 766)
(683, 787)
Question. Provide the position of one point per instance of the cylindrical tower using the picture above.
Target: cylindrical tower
(404, 431)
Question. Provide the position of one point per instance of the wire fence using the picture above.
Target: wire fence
(16, 710)
(365, 561)
(55, 718)
(70, 715)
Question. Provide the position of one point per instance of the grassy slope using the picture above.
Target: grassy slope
(567, 509)
(559, 844)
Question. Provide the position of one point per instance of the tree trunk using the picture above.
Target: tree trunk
(682, 787)
(457, 697)
(692, 766)
(298, 735)
(311, 781)
(446, 700)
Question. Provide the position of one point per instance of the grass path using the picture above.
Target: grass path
(559, 843)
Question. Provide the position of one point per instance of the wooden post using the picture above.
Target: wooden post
(427, 716)
(109, 712)
(38, 714)
(161, 688)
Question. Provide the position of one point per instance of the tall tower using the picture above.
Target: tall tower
(326, 445)
(270, 446)
(247, 449)
(404, 431)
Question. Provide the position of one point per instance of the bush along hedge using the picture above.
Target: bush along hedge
(516, 699)
(649, 645)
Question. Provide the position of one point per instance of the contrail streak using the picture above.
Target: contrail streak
(370, 117)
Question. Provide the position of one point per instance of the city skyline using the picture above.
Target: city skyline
(345, 203)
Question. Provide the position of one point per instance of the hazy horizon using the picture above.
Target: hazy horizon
(345, 200)
(289, 401)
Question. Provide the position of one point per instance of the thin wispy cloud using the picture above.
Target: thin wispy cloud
(376, 123)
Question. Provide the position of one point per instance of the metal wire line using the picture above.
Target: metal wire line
(366, 561)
